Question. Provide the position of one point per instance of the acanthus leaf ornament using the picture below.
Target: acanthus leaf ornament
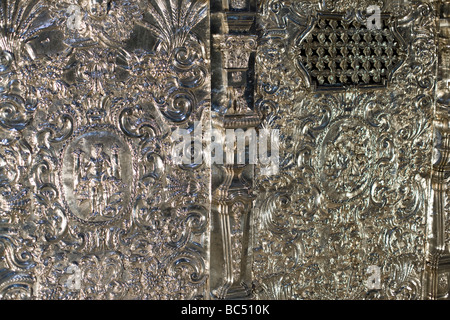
(337, 51)
(94, 205)
(85, 152)
(354, 172)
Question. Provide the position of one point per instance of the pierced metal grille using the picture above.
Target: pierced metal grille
(339, 52)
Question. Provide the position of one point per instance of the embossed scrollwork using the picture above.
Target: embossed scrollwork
(89, 94)
(179, 106)
(355, 165)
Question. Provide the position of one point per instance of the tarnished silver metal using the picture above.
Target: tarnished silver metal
(93, 204)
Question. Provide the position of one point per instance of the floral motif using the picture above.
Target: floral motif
(353, 179)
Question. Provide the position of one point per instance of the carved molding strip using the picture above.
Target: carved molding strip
(232, 199)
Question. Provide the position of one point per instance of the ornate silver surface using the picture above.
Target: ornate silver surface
(337, 51)
(356, 166)
(94, 205)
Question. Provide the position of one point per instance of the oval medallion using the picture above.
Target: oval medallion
(345, 159)
(97, 176)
